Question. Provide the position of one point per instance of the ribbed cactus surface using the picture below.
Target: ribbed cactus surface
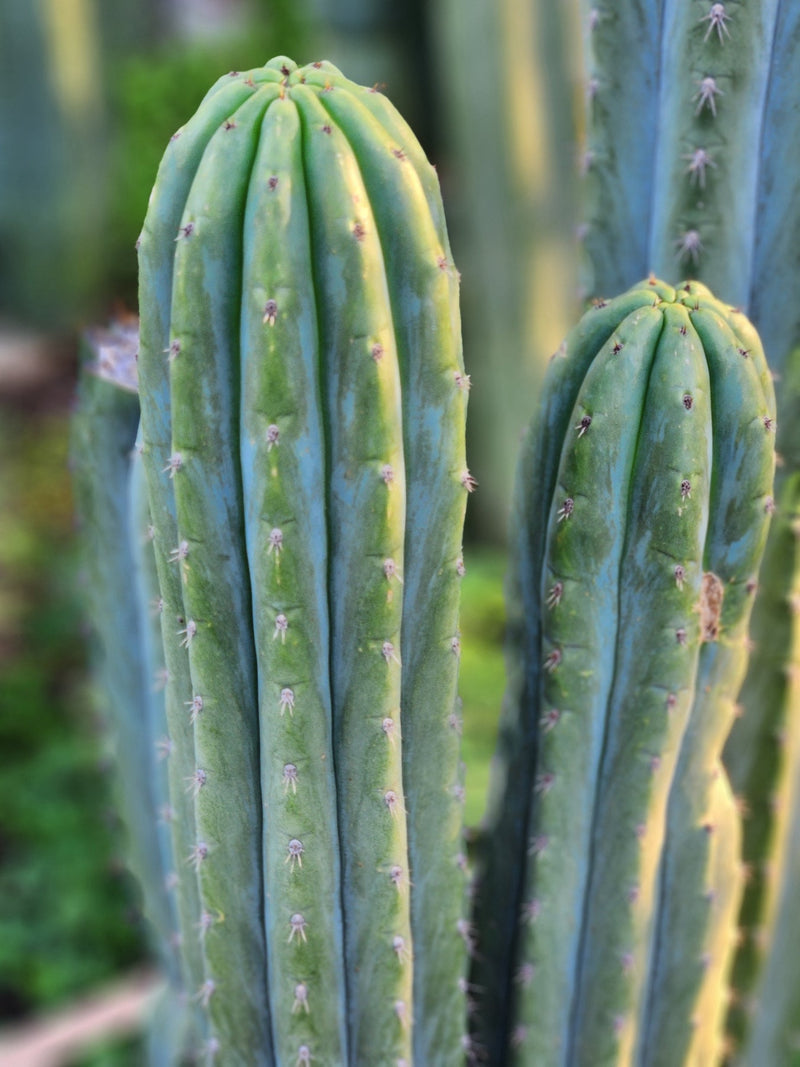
(303, 403)
(762, 758)
(643, 500)
(690, 152)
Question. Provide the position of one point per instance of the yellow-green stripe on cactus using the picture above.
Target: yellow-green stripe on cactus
(303, 404)
(643, 500)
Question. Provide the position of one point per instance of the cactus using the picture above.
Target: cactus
(303, 402)
(643, 501)
(762, 758)
(112, 512)
(691, 150)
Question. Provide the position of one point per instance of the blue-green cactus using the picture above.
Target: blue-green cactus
(303, 402)
(643, 500)
(691, 152)
(122, 604)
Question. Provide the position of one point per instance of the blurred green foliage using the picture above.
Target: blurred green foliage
(67, 911)
(482, 674)
(150, 95)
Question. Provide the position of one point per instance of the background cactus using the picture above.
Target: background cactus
(677, 96)
(643, 500)
(117, 558)
(762, 758)
(303, 403)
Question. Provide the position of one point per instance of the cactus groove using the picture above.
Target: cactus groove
(643, 500)
(303, 405)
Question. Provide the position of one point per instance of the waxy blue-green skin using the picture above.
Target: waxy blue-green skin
(303, 439)
(762, 757)
(650, 109)
(113, 516)
(624, 675)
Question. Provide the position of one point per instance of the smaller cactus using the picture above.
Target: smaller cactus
(652, 462)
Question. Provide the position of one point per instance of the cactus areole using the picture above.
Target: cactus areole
(643, 507)
(303, 404)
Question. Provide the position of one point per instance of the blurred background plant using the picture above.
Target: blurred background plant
(90, 92)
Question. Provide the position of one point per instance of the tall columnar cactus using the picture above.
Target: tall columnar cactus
(762, 757)
(692, 153)
(610, 876)
(117, 557)
(303, 402)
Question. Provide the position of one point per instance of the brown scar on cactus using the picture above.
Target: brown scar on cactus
(712, 593)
